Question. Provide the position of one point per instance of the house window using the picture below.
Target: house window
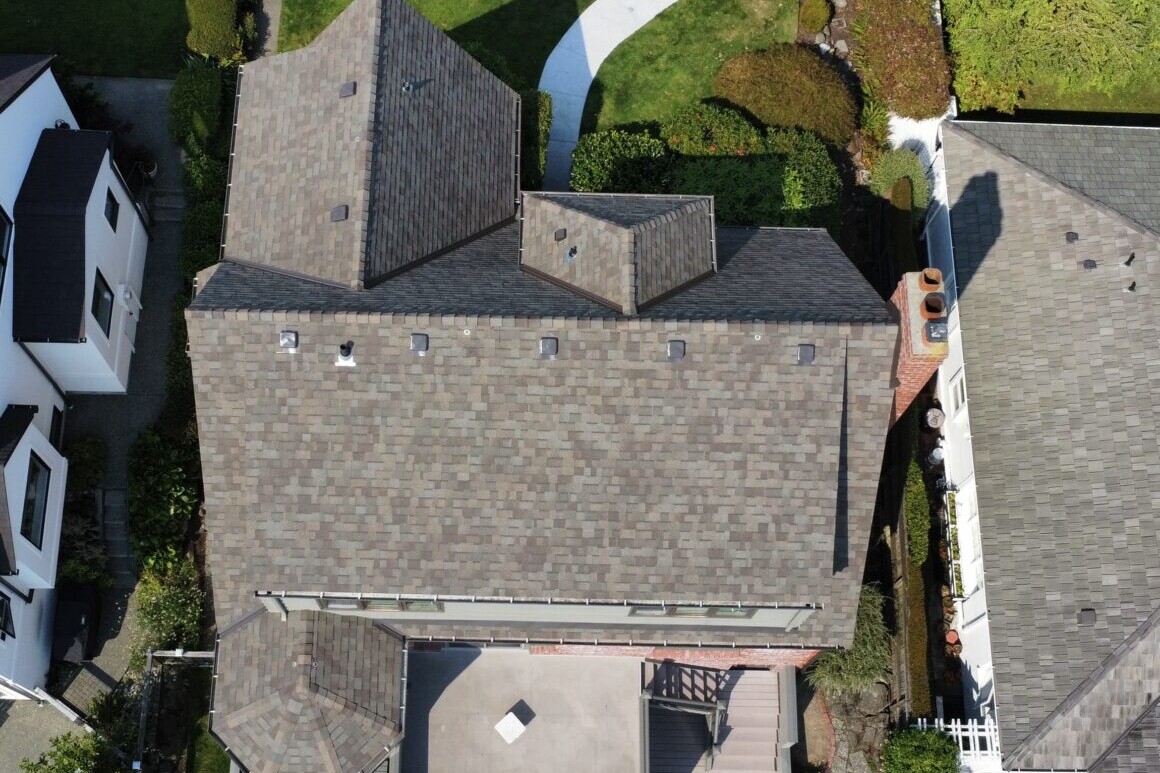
(112, 208)
(35, 501)
(102, 303)
(6, 627)
(56, 432)
(5, 245)
(391, 605)
(958, 394)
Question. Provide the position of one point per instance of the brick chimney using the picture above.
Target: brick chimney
(919, 304)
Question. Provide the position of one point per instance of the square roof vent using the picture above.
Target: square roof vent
(339, 213)
(347, 89)
(805, 354)
(549, 347)
(1086, 616)
(420, 343)
(288, 340)
(676, 350)
(561, 234)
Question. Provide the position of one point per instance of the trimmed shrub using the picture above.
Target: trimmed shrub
(813, 185)
(205, 176)
(894, 165)
(162, 494)
(792, 86)
(169, 600)
(920, 751)
(72, 752)
(201, 230)
(195, 106)
(615, 161)
(711, 130)
(213, 29)
(901, 57)
(916, 508)
(814, 15)
(537, 126)
(747, 191)
(850, 671)
(875, 120)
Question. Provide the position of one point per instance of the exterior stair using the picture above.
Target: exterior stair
(749, 734)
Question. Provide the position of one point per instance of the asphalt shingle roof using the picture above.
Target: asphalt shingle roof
(422, 155)
(1138, 750)
(1062, 380)
(49, 282)
(316, 693)
(17, 72)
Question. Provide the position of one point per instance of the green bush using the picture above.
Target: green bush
(537, 126)
(901, 58)
(206, 754)
(850, 671)
(176, 421)
(920, 751)
(711, 130)
(814, 15)
(813, 186)
(213, 29)
(790, 85)
(169, 601)
(86, 465)
(916, 508)
(205, 176)
(875, 120)
(82, 546)
(195, 105)
(73, 752)
(615, 161)
(894, 165)
(162, 494)
(201, 233)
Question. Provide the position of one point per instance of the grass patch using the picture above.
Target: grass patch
(205, 754)
(1138, 97)
(523, 32)
(917, 642)
(674, 59)
(144, 38)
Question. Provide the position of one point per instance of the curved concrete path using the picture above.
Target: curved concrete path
(572, 65)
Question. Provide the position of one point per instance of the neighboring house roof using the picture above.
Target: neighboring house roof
(423, 153)
(1115, 165)
(49, 280)
(1138, 749)
(18, 72)
(1064, 414)
(14, 422)
(331, 685)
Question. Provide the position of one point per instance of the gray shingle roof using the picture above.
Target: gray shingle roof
(318, 693)
(14, 422)
(49, 282)
(1064, 418)
(17, 72)
(419, 169)
(1139, 749)
(1116, 165)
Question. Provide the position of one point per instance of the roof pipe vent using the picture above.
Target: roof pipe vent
(345, 355)
(1072, 237)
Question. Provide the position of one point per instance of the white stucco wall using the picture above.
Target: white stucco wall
(101, 363)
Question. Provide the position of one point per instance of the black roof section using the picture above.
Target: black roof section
(14, 422)
(18, 72)
(771, 274)
(49, 282)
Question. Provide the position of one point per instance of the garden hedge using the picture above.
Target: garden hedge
(916, 508)
(537, 126)
(711, 130)
(894, 165)
(814, 15)
(850, 671)
(162, 494)
(920, 751)
(195, 106)
(169, 600)
(213, 29)
(901, 58)
(616, 161)
(791, 86)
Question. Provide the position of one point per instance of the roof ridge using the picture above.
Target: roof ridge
(1051, 180)
(1128, 731)
(371, 149)
(685, 207)
(1075, 698)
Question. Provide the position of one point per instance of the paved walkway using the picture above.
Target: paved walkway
(573, 64)
(269, 20)
(25, 728)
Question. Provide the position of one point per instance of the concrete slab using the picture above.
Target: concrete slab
(573, 64)
(585, 712)
(25, 731)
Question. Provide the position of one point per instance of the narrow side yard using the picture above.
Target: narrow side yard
(144, 38)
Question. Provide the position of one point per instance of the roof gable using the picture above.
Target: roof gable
(18, 72)
(624, 251)
(348, 189)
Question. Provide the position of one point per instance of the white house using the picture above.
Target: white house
(72, 255)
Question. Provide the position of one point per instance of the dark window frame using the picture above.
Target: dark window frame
(101, 290)
(7, 628)
(6, 229)
(56, 432)
(112, 209)
(35, 510)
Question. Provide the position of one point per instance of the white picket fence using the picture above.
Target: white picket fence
(978, 742)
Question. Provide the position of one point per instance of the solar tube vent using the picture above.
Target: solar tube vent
(288, 340)
(339, 213)
(347, 89)
(676, 351)
(805, 354)
(345, 355)
(419, 344)
(549, 347)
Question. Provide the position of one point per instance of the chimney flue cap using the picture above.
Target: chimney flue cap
(930, 279)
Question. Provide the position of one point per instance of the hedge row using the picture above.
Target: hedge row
(537, 125)
(195, 105)
(792, 86)
(901, 58)
(213, 29)
(617, 161)
(916, 507)
(163, 494)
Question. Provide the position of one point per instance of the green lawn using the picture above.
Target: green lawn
(523, 32)
(674, 59)
(126, 37)
(1140, 97)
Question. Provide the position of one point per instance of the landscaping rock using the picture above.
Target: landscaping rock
(820, 38)
(839, 4)
(842, 47)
